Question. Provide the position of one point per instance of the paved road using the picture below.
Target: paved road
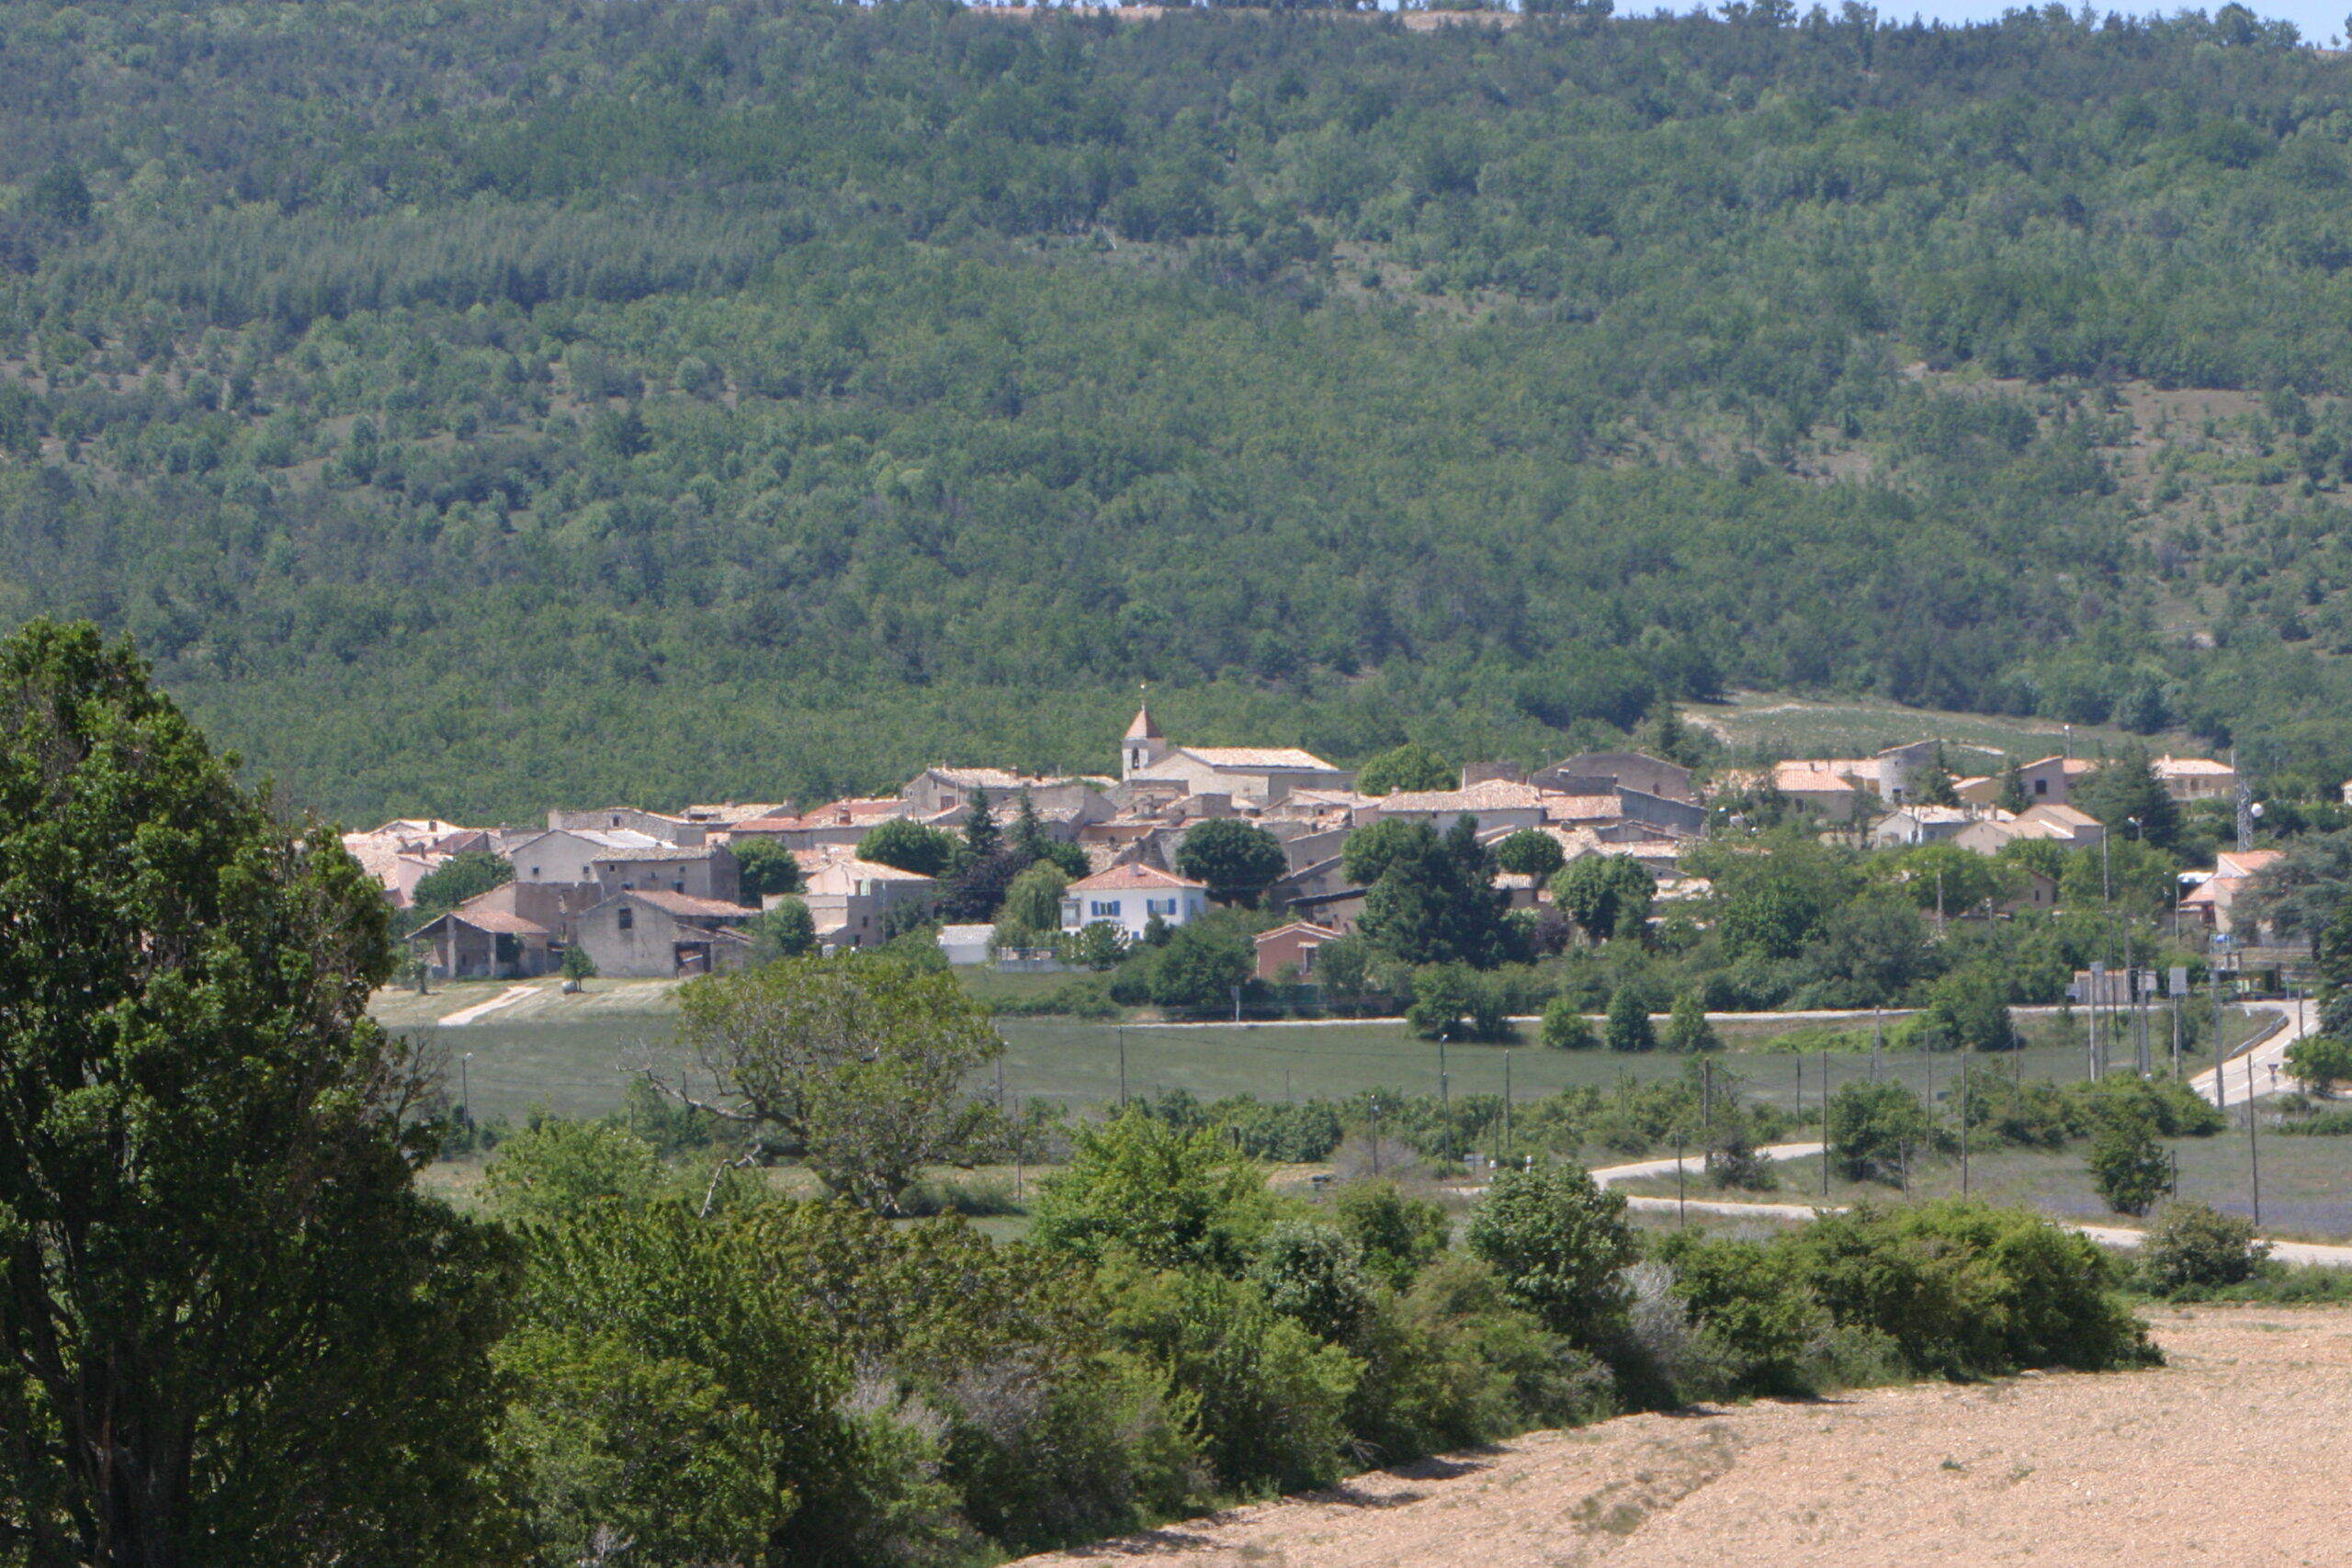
(2120, 1237)
(2266, 1061)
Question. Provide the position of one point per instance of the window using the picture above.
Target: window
(626, 917)
(2042, 786)
(1106, 909)
(677, 887)
(535, 873)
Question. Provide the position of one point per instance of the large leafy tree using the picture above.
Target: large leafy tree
(459, 878)
(1605, 895)
(910, 846)
(2127, 796)
(1408, 767)
(235, 1333)
(1430, 898)
(859, 1061)
(1238, 860)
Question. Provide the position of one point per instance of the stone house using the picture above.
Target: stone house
(642, 934)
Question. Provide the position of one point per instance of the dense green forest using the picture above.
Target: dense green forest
(482, 403)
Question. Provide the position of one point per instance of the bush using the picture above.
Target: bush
(1873, 1127)
(2195, 1246)
(2319, 1063)
(1689, 1030)
(1174, 1199)
(1565, 1028)
(1964, 1289)
(556, 1169)
(1557, 1242)
(1629, 1022)
(2127, 1165)
(1398, 1234)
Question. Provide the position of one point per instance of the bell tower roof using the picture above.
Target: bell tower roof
(1145, 728)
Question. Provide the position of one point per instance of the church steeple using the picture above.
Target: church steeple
(1143, 745)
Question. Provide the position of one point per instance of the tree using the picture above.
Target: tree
(1873, 1127)
(787, 931)
(1432, 900)
(1031, 911)
(910, 846)
(1531, 851)
(1175, 1198)
(461, 876)
(2127, 1162)
(1398, 1234)
(2012, 797)
(578, 967)
(1769, 917)
(981, 835)
(558, 1168)
(217, 1248)
(1558, 1241)
(1343, 968)
(1237, 860)
(1097, 945)
(766, 867)
(1030, 837)
(2196, 1245)
(1969, 1009)
(1688, 1028)
(2320, 1062)
(1451, 1001)
(1408, 767)
(2127, 790)
(1565, 1028)
(860, 1061)
(1200, 964)
(1629, 1022)
(1606, 896)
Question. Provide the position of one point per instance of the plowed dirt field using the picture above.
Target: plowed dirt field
(2237, 1452)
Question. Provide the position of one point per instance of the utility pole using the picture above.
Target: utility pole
(1444, 1098)
(2221, 1083)
(1967, 1085)
(2098, 989)
(1878, 1039)
(1707, 1112)
(1681, 1209)
(465, 1092)
(1825, 1124)
(1376, 1137)
(1507, 1145)
(2252, 1142)
(1122, 1071)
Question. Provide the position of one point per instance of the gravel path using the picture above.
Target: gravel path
(2230, 1456)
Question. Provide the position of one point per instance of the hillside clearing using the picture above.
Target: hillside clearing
(2228, 1454)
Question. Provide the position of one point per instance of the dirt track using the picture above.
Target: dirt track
(2235, 1454)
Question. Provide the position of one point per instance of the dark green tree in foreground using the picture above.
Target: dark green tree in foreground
(235, 1333)
(767, 867)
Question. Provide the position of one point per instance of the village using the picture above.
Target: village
(644, 894)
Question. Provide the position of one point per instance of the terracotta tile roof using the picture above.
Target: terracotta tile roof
(2192, 767)
(1277, 758)
(1806, 778)
(837, 813)
(497, 920)
(1304, 928)
(686, 905)
(1582, 808)
(1130, 875)
(1144, 727)
(1493, 795)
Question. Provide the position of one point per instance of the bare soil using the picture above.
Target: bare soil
(2231, 1454)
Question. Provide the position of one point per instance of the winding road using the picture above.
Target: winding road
(2119, 1237)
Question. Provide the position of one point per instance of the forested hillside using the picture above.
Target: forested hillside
(480, 403)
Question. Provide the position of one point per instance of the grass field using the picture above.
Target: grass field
(572, 1055)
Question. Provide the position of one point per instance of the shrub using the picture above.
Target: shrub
(1873, 1126)
(2195, 1246)
(559, 1169)
(1688, 1028)
(1314, 1273)
(1565, 1028)
(1629, 1022)
(2127, 1165)
(1965, 1289)
(1174, 1199)
(1557, 1241)
(1398, 1234)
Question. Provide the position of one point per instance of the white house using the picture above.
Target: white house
(1129, 896)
